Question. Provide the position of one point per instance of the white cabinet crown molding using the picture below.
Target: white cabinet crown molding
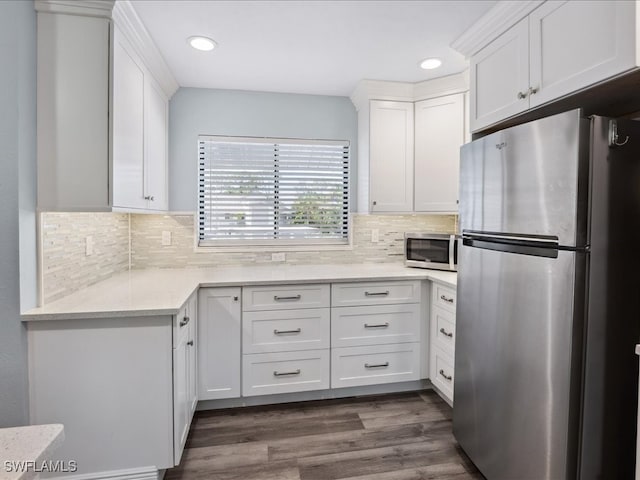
(492, 24)
(129, 23)
(408, 92)
(91, 8)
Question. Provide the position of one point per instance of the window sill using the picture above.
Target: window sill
(272, 248)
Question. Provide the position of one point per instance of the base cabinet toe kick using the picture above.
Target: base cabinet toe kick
(131, 385)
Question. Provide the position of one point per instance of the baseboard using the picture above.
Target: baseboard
(315, 395)
(145, 473)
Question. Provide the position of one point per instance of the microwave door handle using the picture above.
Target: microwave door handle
(452, 244)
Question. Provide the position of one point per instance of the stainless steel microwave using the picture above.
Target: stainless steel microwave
(431, 250)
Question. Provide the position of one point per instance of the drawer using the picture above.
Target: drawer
(443, 332)
(267, 373)
(285, 330)
(354, 366)
(375, 293)
(375, 325)
(284, 297)
(444, 297)
(442, 372)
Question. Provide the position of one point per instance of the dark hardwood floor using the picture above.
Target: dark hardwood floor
(403, 436)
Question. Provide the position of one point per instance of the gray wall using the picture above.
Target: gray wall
(17, 201)
(197, 111)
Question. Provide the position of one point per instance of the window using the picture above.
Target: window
(266, 191)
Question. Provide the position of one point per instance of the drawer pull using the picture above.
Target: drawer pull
(446, 299)
(446, 377)
(184, 321)
(190, 343)
(286, 374)
(376, 294)
(445, 333)
(376, 365)
(294, 297)
(286, 332)
(380, 325)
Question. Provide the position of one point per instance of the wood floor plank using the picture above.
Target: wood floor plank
(287, 470)
(443, 471)
(221, 434)
(401, 417)
(298, 410)
(324, 444)
(221, 457)
(376, 460)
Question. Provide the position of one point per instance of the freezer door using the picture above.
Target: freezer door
(516, 370)
(529, 179)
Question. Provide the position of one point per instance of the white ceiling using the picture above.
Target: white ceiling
(316, 47)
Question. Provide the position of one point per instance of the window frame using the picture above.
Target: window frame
(276, 244)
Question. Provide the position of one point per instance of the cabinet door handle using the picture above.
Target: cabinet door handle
(284, 374)
(379, 325)
(285, 332)
(533, 91)
(235, 299)
(376, 294)
(445, 333)
(446, 299)
(294, 297)
(149, 197)
(184, 321)
(190, 343)
(446, 377)
(522, 95)
(376, 365)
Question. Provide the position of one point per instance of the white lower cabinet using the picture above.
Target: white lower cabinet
(376, 364)
(442, 339)
(285, 372)
(219, 343)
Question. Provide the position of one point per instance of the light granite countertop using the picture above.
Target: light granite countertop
(34, 443)
(164, 291)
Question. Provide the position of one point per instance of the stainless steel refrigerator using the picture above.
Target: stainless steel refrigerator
(549, 300)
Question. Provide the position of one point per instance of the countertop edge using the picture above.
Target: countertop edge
(35, 315)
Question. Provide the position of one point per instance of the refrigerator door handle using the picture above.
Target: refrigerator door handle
(508, 238)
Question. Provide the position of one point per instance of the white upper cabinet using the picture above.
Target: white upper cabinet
(559, 48)
(102, 110)
(574, 44)
(500, 77)
(391, 156)
(128, 126)
(439, 133)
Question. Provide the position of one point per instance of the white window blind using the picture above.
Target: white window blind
(272, 191)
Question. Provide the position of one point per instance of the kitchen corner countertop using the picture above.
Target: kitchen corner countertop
(34, 443)
(164, 291)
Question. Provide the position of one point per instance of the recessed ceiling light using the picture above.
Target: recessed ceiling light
(202, 43)
(430, 63)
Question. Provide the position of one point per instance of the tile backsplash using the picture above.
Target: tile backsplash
(147, 250)
(123, 241)
(65, 266)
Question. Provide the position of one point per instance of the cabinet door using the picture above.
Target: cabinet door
(155, 166)
(439, 133)
(128, 127)
(500, 77)
(181, 417)
(391, 156)
(218, 343)
(578, 43)
(192, 357)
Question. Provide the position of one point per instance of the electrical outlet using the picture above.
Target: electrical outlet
(278, 257)
(88, 245)
(166, 238)
(375, 235)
